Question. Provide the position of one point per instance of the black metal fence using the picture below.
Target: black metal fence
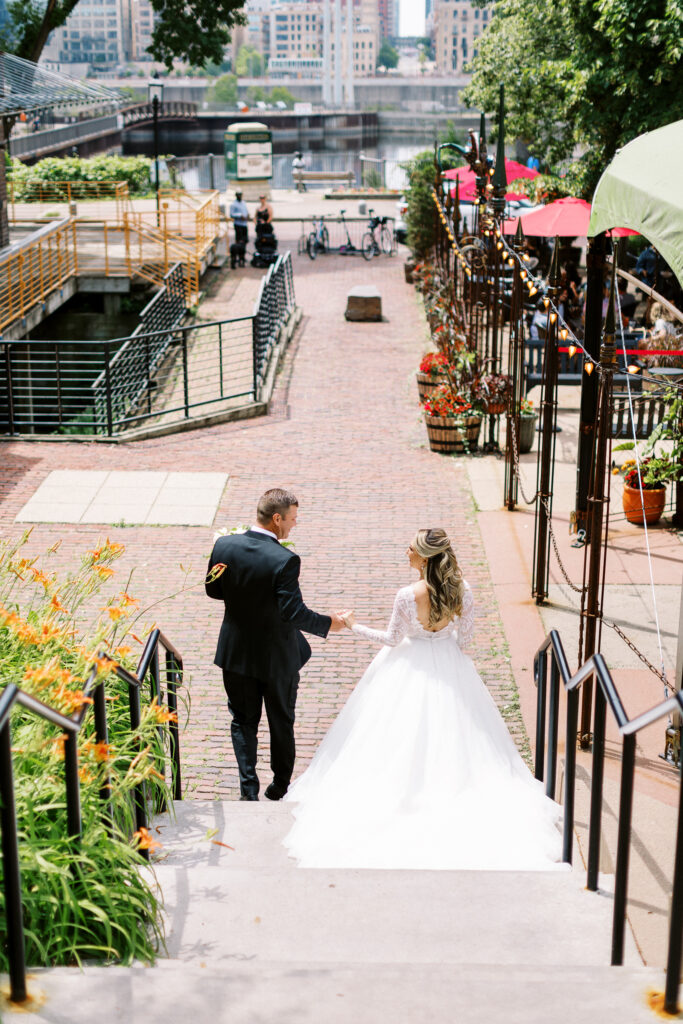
(148, 668)
(163, 373)
(551, 671)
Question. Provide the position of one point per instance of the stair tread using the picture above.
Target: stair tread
(299, 993)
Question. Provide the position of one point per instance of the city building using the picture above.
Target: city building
(457, 26)
(296, 36)
(103, 34)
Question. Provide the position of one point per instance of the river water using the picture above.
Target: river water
(379, 165)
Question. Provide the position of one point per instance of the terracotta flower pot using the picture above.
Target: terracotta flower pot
(426, 384)
(448, 435)
(652, 504)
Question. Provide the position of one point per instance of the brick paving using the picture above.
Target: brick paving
(344, 433)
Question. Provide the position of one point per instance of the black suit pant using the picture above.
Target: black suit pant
(246, 697)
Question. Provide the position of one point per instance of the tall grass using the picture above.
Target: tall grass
(83, 899)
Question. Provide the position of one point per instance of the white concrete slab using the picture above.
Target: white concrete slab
(146, 497)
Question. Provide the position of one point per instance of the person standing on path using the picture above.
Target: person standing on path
(260, 647)
(239, 215)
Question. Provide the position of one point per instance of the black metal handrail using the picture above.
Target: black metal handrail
(547, 720)
(71, 724)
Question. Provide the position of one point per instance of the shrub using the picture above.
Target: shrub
(135, 170)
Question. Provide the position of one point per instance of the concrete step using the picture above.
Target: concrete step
(301, 993)
(231, 892)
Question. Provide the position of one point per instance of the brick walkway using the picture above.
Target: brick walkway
(345, 434)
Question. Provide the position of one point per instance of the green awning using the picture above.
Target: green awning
(642, 189)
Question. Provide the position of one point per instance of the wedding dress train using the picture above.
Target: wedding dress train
(419, 769)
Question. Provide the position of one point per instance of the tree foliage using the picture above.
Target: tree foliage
(388, 55)
(190, 30)
(224, 91)
(249, 63)
(581, 74)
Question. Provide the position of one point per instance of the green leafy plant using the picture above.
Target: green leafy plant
(84, 899)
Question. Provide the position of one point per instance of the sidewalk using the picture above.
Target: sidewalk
(345, 433)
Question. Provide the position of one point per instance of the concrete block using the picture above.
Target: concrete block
(364, 302)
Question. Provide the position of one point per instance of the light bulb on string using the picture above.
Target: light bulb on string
(572, 351)
(632, 368)
(553, 317)
(546, 302)
(532, 291)
(588, 368)
(563, 334)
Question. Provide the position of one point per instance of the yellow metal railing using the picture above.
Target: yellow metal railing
(29, 274)
(67, 193)
(123, 242)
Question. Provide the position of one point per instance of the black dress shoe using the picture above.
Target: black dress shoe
(251, 797)
(274, 792)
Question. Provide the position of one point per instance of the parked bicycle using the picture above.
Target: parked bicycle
(346, 247)
(372, 245)
(318, 240)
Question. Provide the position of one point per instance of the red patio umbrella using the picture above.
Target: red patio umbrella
(567, 217)
(513, 170)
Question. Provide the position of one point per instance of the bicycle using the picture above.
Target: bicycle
(370, 245)
(319, 239)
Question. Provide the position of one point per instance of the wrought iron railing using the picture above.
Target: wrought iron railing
(163, 373)
(148, 667)
(550, 655)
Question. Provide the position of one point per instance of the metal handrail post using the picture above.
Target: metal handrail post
(102, 736)
(139, 789)
(570, 776)
(541, 670)
(11, 871)
(186, 383)
(598, 767)
(73, 791)
(628, 764)
(107, 378)
(553, 717)
(673, 962)
(174, 669)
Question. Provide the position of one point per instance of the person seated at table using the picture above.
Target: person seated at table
(627, 302)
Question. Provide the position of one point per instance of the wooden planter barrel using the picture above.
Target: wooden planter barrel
(449, 435)
(652, 504)
(426, 384)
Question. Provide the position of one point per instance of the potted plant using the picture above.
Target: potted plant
(646, 477)
(496, 388)
(644, 494)
(452, 425)
(434, 370)
(528, 418)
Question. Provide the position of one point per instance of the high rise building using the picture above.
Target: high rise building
(103, 33)
(457, 26)
(296, 35)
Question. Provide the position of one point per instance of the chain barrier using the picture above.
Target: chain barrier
(515, 468)
(661, 674)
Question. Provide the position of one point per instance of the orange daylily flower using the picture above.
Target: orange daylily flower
(146, 841)
(114, 549)
(115, 614)
(52, 672)
(39, 577)
(123, 651)
(49, 632)
(101, 751)
(103, 571)
(217, 570)
(57, 605)
(58, 745)
(162, 714)
(127, 600)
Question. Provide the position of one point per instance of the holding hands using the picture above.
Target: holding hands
(341, 620)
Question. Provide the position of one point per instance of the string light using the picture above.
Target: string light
(588, 367)
(632, 368)
(572, 348)
(563, 333)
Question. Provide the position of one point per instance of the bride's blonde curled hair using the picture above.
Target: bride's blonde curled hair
(442, 574)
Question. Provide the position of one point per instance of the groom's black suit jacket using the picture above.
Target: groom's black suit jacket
(264, 609)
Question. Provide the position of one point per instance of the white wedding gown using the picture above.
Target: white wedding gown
(419, 769)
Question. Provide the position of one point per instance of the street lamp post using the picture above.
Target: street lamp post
(155, 92)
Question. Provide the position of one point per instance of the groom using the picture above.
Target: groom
(260, 648)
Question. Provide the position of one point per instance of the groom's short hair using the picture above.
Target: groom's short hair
(274, 500)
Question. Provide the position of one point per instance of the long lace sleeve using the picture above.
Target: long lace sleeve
(398, 624)
(466, 623)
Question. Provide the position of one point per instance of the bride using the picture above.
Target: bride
(419, 769)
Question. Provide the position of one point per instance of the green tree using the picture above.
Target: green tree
(193, 31)
(224, 91)
(249, 63)
(213, 70)
(280, 94)
(581, 74)
(388, 55)
(256, 94)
